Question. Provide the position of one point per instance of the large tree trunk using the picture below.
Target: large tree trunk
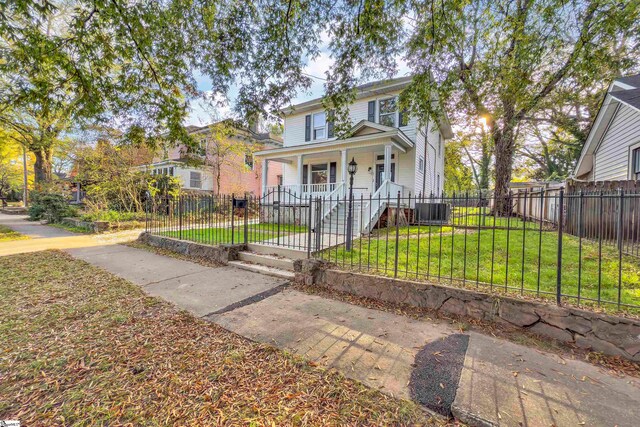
(504, 140)
(43, 165)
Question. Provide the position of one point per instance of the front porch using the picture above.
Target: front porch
(320, 169)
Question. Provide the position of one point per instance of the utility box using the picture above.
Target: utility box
(432, 213)
(239, 203)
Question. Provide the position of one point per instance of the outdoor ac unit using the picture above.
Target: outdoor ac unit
(432, 213)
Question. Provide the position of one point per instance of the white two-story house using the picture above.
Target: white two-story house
(393, 153)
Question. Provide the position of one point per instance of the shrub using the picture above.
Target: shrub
(50, 206)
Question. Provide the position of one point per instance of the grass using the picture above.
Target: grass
(83, 347)
(223, 235)
(72, 228)
(7, 234)
(466, 257)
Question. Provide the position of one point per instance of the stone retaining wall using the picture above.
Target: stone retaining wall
(613, 335)
(221, 253)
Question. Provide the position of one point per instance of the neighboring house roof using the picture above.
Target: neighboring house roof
(366, 90)
(633, 81)
(623, 91)
(630, 97)
(241, 131)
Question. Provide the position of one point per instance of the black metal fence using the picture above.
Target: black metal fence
(580, 247)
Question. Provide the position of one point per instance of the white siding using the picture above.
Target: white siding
(184, 175)
(434, 162)
(611, 160)
(294, 124)
(407, 171)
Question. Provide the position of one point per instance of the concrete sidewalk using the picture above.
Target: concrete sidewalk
(480, 379)
(488, 381)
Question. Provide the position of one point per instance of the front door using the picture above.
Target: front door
(380, 174)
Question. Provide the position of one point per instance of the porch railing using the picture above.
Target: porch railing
(304, 189)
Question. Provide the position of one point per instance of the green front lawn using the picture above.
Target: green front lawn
(7, 234)
(484, 259)
(81, 346)
(224, 235)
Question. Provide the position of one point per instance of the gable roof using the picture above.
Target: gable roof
(627, 94)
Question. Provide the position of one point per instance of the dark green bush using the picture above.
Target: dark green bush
(50, 206)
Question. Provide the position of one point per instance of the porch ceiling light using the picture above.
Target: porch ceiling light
(353, 166)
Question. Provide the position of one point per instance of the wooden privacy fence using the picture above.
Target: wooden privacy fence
(605, 211)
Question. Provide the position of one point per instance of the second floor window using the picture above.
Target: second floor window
(388, 112)
(319, 125)
(635, 164)
(248, 160)
(195, 180)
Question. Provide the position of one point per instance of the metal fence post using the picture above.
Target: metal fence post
(560, 230)
(620, 245)
(279, 206)
(395, 267)
(146, 214)
(309, 228)
(180, 216)
(233, 201)
(246, 219)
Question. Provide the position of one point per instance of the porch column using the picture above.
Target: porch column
(265, 175)
(387, 163)
(343, 165)
(300, 178)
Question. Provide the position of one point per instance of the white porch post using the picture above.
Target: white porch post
(300, 176)
(265, 175)
(387, 163)
(343, 165)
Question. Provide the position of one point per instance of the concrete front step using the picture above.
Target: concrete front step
(269, 271)
(276, 251)
(267, 260)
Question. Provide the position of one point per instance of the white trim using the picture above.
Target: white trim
(632, 147)
(621, 85)
(606, 104)
(340, 143)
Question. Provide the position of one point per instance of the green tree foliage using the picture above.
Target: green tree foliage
(507, 61)
(457, 174)
(108, 175)
(11, 173)
(510, 61)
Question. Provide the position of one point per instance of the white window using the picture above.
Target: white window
(421, 164)
(635, 164)
(248, 160)
(171, 171)
(439, 144)
(279, 179)
(195, 180)
(319, 125)
(388, 112)
(319, 174)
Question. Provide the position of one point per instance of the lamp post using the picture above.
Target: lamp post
(352, 169)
